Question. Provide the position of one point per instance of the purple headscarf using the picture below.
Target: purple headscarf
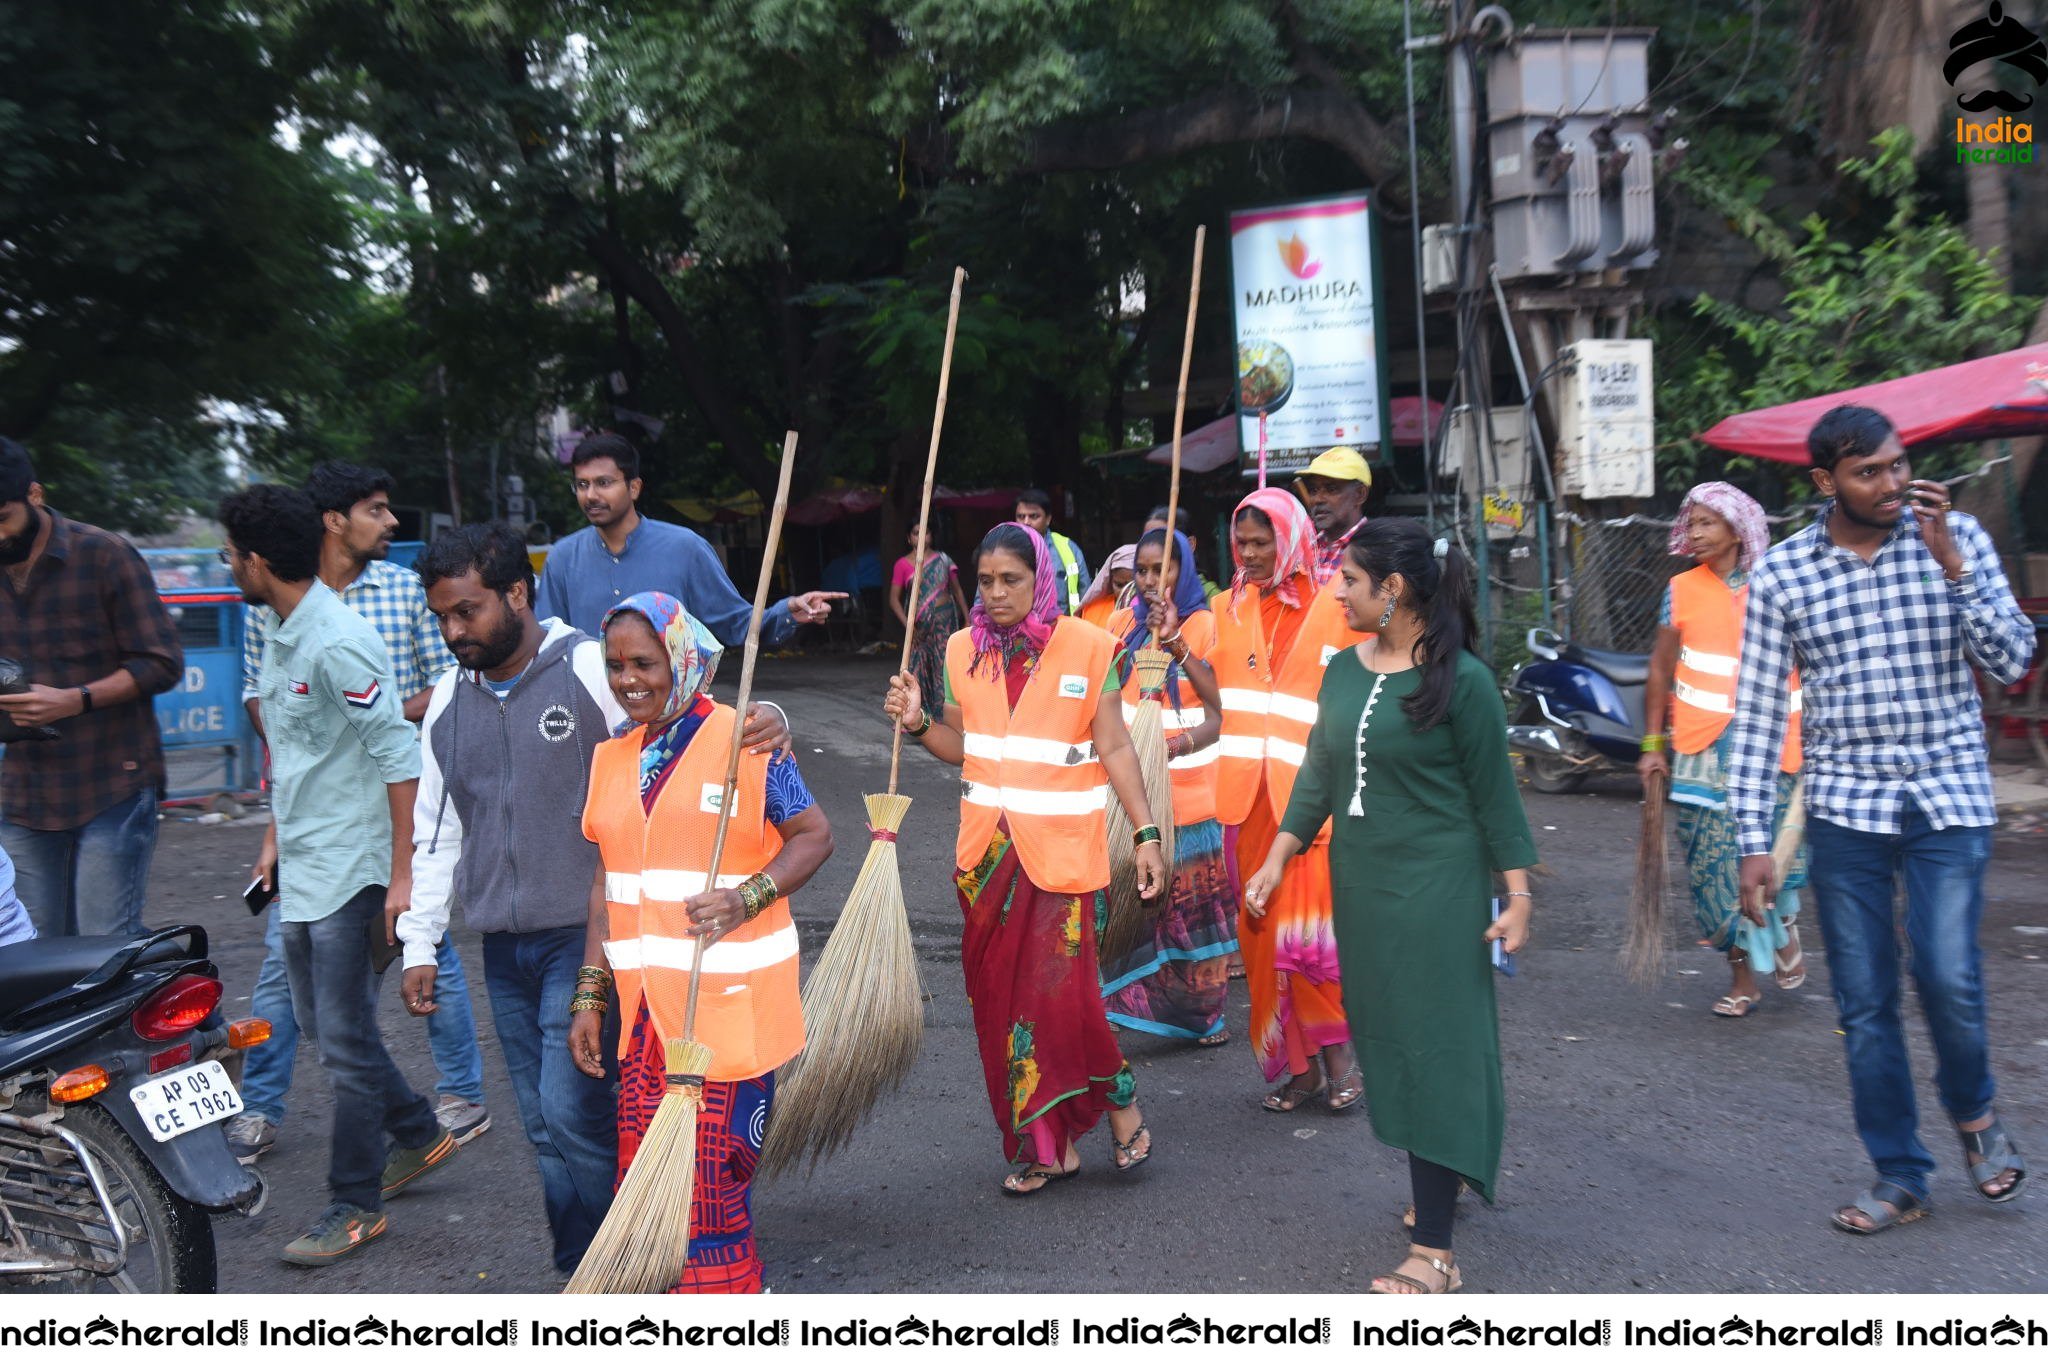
(1741, 512)
(1034, 629)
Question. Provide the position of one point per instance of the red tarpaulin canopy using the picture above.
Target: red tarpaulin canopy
(2000, 396)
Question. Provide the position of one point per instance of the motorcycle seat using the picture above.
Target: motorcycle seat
(1617, 665)
(32, 969)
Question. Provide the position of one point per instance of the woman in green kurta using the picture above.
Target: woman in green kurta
(1409, 755)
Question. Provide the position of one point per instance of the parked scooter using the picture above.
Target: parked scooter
(1575, 712)
(112, 1090)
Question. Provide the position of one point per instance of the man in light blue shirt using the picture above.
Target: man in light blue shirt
(622, 553)
(345, 770)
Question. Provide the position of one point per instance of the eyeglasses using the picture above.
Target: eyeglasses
(223, 554)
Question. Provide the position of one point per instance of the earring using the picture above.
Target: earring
(1386, 616)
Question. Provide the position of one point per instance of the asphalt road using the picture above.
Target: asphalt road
(1650, 1145)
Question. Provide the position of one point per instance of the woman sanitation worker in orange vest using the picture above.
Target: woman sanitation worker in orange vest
(1274, 634)
(1032, 715)
(652, 809)
(1693, 669)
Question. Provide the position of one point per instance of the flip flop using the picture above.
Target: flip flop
(1791, 975)
(1286, 1100)
(1215, 1041)
(1031, 1170)
(1735, 1006)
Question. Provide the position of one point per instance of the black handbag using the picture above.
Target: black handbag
(14, 679)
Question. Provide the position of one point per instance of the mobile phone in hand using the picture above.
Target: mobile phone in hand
(257, 897)
(1502, 960)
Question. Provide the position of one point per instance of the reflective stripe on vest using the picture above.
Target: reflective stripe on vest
(1070, 569)
(1036, 766)
(749, 1011)
(1707, 615)
(1267, 715)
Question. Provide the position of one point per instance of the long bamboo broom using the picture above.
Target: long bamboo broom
(863, 1003)
(644, 1243)
(1642, 950)
(1129, 919)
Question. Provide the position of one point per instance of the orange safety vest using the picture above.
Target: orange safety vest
(1707, 615)
(1037, 765)
(1266, 718)
(748, 1008)
(1100, 611)
(1194, 774)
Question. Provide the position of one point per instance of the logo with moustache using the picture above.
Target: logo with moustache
(1995, 38)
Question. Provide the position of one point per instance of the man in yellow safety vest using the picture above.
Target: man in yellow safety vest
(1034, 510)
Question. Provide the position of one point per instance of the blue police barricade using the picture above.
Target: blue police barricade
(204, 713)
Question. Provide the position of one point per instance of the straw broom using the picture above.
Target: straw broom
(644, 1243)
(1642, 950)
(1129, 921)
(863, 1003)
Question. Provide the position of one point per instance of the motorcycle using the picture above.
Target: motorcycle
(112, 1090)
(1575, 712)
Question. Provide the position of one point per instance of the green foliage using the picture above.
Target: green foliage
(1911, 296)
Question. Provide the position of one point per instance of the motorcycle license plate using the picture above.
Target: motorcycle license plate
(187, 1100)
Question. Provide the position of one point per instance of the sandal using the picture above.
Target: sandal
(1347, 1093)
(1013, 1184)
(1416, 1286)
(1791, 973)
(1286, 1099)
(1736, 1005)
(1125, 1151)
(1989, 1154)
(1215, 1041)
(1884, 1205)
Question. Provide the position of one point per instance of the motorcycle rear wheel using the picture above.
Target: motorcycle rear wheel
(170, 1240)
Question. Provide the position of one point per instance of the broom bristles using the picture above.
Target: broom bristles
(863, 1012)
(643, 1246)
(1130, 919)
(1642, 950)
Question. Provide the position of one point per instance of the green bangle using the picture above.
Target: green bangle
(925, 720)
(1655, 744)
(1145, 835)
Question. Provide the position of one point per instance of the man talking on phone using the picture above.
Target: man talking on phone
(1885, 603)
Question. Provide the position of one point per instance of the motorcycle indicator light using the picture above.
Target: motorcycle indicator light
(247, 1034)
(80, 1084)
(171, 1057)
(177, 1008)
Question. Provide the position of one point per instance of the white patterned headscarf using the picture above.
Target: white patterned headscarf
(1741, 512)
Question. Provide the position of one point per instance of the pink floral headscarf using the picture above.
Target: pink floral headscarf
(1741, 512)
(995, 643)
(1293, 544)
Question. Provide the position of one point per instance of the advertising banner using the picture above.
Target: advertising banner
(1310, 360)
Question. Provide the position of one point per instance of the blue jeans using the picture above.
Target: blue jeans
(571, 1118)
(91, 879)
(334, 998)
(451, 1031)
(1852, 876)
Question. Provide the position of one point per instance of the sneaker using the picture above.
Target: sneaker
(339, 1232)
(407, 1165)
(462, 1118)
(249, 1137)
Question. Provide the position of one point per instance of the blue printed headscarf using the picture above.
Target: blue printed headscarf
(692, 650)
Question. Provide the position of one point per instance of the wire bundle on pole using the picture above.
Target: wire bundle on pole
(1129, 921)
(863, 1003)
(644, 1243)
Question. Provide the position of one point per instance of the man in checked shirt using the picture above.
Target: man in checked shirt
(1885, 603)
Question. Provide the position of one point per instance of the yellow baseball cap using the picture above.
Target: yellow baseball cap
(1341, 462)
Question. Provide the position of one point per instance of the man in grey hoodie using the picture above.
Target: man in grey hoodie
(498, 827)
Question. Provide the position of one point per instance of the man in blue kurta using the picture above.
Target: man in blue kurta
(622, 553)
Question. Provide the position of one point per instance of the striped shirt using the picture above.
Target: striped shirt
(1884, 650)
(391, 600)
